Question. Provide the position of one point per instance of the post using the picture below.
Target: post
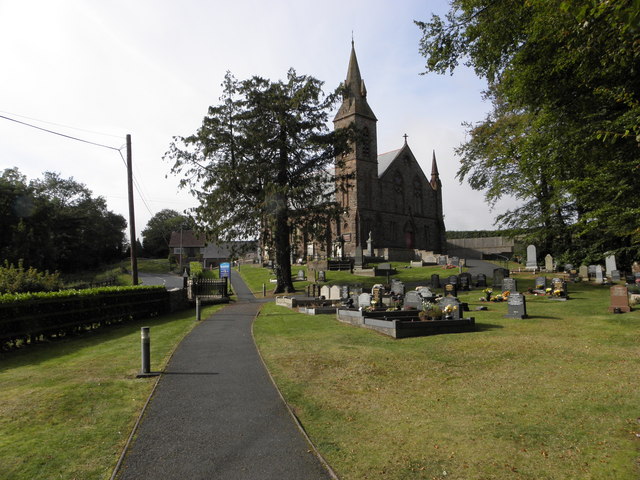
(132, 221)
(146, 351)
(264, 290)
(197, 308)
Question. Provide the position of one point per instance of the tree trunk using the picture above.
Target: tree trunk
(283, 256)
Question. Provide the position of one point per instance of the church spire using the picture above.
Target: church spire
(355, 93)
(435, 176)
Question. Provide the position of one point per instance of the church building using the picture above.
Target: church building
(389, 201)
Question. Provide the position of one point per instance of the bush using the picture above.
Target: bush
(20, 280)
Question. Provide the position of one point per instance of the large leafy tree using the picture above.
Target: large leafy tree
(157, 233)
(564, 131)
(262, 163)
(56, 224)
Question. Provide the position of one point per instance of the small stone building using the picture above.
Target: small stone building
(388, 198)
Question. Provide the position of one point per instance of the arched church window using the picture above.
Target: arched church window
(366, 143)
(417, 196)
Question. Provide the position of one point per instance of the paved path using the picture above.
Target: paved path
(215, 413)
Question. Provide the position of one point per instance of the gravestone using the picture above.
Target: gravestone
(413, 299)
(559, 285)
(450, 290)
(397, 287)
(630, 279)
(548, 262)
(599, 276)
(499, 274)
(358, 260)
(454, 261)
(532, 262)
(619, 299)
(354, 301)
(344, 292)
(615, 275)
(610, 264)
(322, 276)
(424, 292)
(376, 293)
(592, 271)
(430, 259)
(482, 280)
(583, 272)
(369, 246)
(384, 266)
(453, 279)
(442, 260)
(568, 267)
(435, 281)
(464, 281)
(509, 285)
(635, 267)
(541, 283)
(325, 292)
(364, 300)
(334, 292)
(300, 275)
(516, 306)
(456, 308)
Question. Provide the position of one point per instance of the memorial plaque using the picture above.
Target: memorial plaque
(619, 299)
(450, 290)
(516, 306)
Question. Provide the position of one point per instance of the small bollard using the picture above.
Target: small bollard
(198, 308)
(264, 290)
(146, 353)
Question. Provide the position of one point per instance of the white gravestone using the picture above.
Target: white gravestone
(548, 263)
(532, 262)
(610, 264)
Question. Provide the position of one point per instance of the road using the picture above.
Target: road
(169, 280)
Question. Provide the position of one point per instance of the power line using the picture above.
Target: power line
(61, 125)
(58, 133)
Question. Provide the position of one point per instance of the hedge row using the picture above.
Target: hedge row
(28, 317)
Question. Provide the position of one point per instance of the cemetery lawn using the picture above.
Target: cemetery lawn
(254, 276)
(67, 407)
(551, 397)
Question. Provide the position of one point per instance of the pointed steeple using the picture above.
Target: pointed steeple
(355, 95)
(435, 176)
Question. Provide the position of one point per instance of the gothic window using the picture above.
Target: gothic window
(417, 196)
(398, 189)
(366, 143)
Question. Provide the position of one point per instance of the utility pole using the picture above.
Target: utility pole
(132, 222)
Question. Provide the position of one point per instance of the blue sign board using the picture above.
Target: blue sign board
(225, 270)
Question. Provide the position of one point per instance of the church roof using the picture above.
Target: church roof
(385, 160)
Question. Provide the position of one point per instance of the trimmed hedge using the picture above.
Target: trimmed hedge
(29, 317)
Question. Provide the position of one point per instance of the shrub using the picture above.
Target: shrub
(20, 280)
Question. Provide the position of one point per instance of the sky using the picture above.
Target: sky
(99, 70)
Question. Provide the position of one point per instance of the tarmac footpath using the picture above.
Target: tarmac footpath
(215, 414)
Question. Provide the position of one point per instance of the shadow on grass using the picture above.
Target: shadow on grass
(35, 353)
(486, 327)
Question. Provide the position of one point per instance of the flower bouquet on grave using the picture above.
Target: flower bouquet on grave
(448, 311)
(549, 291)
(430, 311)
(487, 295)
(557, 293)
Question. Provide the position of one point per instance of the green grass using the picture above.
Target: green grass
(68, 407)
(255, 276)
(554, 396)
